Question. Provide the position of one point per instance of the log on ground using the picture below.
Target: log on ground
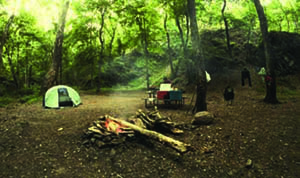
(175, 144)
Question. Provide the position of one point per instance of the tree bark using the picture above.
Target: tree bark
(184, 43)
(169, 46)
(4, 38)
(296, 21)
(111, 41)
(145, 41)
(29, 76)
(200, 104)
(12, 68)
(180, 32)
(271, 84)
(187, 32)
(226, 30)
(51, 77)
(26, 67)
(120, 47)
(286, 14)
(248, 52)
(101, 54)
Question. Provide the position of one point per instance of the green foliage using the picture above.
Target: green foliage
(187, 73)
(30, 95)
(157, 71)
(261, 89)
(5, 100)
(27, 48)
(25, 95)
(287, 91)
(118, 71)
(127, 24)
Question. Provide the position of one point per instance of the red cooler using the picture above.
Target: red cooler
(161, 94)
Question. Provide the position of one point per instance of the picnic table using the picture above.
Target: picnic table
(165, 96)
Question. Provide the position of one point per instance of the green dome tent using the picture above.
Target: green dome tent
(60, 96)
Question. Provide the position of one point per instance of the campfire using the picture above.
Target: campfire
(108, 130)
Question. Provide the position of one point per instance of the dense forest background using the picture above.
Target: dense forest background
(128, 45)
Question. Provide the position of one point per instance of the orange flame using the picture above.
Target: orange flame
(113, 126)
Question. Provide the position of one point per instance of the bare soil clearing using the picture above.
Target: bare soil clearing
(248, 139)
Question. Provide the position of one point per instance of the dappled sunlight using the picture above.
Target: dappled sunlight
(46, 12)
(149, 88)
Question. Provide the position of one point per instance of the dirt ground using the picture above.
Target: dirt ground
(248, 139)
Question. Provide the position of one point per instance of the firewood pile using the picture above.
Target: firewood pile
(108, 131)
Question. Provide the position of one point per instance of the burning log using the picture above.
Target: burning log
(106, 132)
(109, 130)
(177, 145)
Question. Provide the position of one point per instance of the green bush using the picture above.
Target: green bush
(5, 100)
(287, 91)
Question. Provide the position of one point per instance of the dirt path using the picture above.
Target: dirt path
(31, 144)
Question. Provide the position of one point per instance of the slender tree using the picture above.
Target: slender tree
(9, 53)
(177, 20)
(286, 14)
(271, 77)
(51, 77)
(102, 43)
(187, 31)
(142, 23)
(168, 42)
(4, 37)
(200, 104)
(112, 39)
(146, 51)
(226, 29)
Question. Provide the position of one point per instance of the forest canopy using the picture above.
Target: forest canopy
(128, 43)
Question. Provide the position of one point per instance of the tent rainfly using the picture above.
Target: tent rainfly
(61, 96)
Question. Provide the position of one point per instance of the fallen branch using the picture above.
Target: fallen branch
(177, 145)
(154, 119)
(108, 130)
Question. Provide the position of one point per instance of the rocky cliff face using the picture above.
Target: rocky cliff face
(285, 50)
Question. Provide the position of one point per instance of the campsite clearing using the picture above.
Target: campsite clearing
(247, 139)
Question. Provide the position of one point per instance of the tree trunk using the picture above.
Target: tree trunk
(120, 47)
(248, 52)
(296, 21)
(145, 41)
(4, 37)
(60, 72)
(26, 68)
(286, 14)
(169, 46)
(184, 43)
(271, 83)
(226, 30)
(12, 68)
(51, 77)
(101, 55)
(200, 104)
(187, 32)
(180, 32)
(111, 41)
(29, 76)
(92, 64)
